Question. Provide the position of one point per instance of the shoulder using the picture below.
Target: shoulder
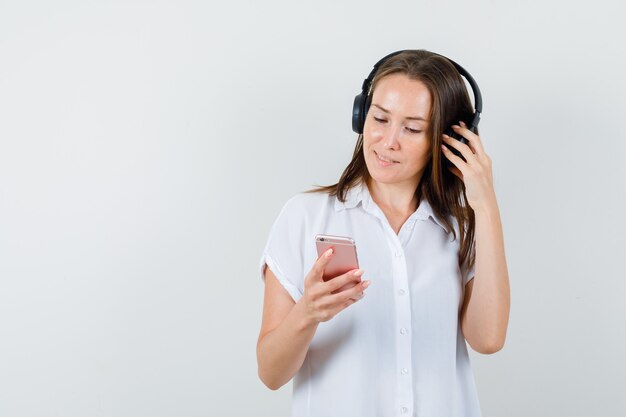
(300, 214)
(305, 203)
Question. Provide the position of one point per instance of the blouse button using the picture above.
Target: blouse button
(403, 331)
(404, 371)
(404, 410)
(401, 292)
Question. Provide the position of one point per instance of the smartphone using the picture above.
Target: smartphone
(344, 257)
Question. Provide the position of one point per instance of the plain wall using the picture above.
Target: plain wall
(147, 147)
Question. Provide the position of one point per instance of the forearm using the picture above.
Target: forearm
(487, 313)
(281, 352)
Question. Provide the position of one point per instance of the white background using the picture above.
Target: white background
(146, 148)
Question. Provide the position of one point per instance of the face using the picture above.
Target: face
(395, 129)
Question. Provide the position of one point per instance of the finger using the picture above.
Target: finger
(457, 161)
(341, 280)
(456, 172)
(471, 137)
(360, 290)
(335, 307)
(355, 293)
(317, 272)
(346, 304)
(464, 149)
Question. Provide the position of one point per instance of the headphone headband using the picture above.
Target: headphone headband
(360, 102)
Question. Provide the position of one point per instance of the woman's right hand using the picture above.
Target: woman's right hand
(321, 299)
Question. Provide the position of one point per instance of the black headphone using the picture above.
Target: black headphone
(363, 100)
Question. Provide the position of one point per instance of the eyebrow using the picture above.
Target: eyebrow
(408, 118)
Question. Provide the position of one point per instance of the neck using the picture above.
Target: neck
(398, 198)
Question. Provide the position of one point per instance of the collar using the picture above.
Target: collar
(360, 194)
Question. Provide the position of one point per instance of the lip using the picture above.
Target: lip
(385, 163)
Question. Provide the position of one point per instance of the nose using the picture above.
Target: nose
(392, 135)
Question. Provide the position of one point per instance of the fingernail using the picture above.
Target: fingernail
(366, 284)
(329, 252)
(358, 272)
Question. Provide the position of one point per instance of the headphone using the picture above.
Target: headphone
(363, 100)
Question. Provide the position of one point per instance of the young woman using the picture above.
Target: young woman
(425, 222)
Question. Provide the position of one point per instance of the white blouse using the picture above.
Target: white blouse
(399, 350)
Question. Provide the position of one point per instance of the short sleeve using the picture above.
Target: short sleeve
(283, 252)
(469, 275)
(466, 274)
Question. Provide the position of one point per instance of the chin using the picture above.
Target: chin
(384, 178)
(387, 177)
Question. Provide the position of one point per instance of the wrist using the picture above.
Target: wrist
(489, 208)
(303, 319)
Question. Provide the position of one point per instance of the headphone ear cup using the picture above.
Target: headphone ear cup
(368, 102)
(357, 113)
(455, 136)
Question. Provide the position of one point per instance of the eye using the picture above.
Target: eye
(413, 130)
(379, 120)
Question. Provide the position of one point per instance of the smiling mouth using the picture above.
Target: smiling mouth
(383, 159)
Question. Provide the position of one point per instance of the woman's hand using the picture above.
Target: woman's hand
(324, 299)
(476, 172)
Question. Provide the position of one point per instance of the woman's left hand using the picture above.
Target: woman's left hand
(476, 172)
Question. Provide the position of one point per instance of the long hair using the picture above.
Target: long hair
(443, 190)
